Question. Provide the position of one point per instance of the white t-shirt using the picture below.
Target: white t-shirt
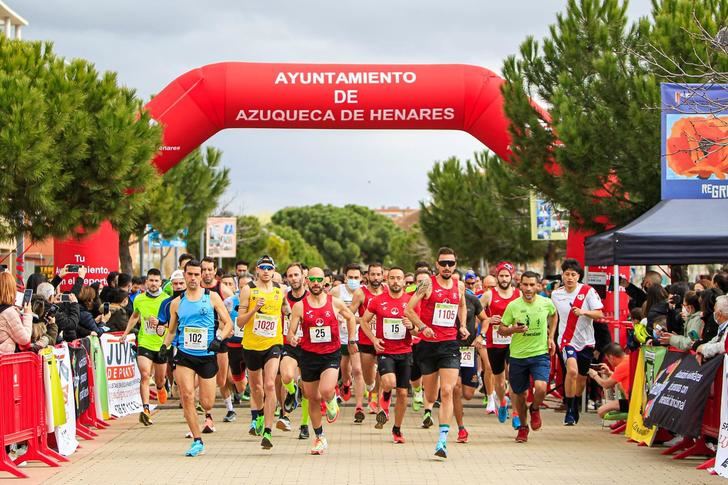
(584, 332)
(346, 297)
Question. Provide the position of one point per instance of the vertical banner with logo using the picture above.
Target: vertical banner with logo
(648, 365)
(66, 434)
(101, 400)
(55, 405)
(721, 455)
(80, 366)
(549, 222)
(221, 237)
(694, 141)
(122, 376)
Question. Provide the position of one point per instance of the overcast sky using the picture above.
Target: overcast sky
(149, 43)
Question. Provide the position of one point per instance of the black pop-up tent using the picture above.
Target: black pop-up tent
(678, 231)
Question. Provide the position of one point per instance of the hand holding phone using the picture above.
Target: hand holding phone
(27, 296)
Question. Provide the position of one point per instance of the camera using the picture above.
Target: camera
(676, 299)
(50, 312)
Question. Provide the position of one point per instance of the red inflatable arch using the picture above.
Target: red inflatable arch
(211, 98)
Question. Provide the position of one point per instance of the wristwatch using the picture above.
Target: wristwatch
(483, 335)
(352, 342)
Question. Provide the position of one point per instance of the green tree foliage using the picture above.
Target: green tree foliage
(407, 247)
(341, 234)
(603, 97)
(479, 209)
(72, 144)
(183, 199)
(297, 248)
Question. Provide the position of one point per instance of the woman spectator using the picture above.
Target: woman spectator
(44, 319)
(707, 304)
(117, 317)
(655, 305)
(86, 321)
(15, 329)
(702, 285)
(693, 328)
(34, 280)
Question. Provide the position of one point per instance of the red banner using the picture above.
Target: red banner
(98, 252)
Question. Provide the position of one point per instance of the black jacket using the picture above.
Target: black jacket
(67, 318)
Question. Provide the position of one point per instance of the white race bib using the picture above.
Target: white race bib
(195, 338)
(287, 326)
(500, 339)
(467, 357)
(445, 314)
(237, 330)
(394, 329)
(150, 328)
(320, 335)
(265, 325)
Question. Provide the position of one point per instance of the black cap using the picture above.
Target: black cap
(265, 259)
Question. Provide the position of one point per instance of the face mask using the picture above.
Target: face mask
(155, 294)
(353, 284)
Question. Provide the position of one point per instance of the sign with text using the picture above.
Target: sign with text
(549, 222)
(97, 251)
(221, 237)
(694, 141)
(122, 376)
(721, 455)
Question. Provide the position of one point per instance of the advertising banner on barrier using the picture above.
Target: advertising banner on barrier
(101, 399)
(79, 364)
(55, 405)
(694, 134)
(677, 399)
(122, 376)
(721, 455)
(66, 434)
(648, 364)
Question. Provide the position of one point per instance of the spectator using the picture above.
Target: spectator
(137, 286)
(46, 291)
(78, 282)
(86, 322)
(34, 280)
(615, 373)
(655, 305)
(720, 280)
(44, 318)
(702, 285)
(707, 304)
(117, 318)
(693, 327)
(111, 282)
(15, 329)
(716, 345)
(124, 283)
(637, 295)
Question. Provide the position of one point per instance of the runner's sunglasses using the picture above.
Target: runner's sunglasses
(267, 267)
(447, 262)
(316, 279)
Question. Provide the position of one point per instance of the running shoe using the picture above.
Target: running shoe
(397, 438)
(196, 448)
(346, 392)
(436, 404)
(441, 449)
(463, 435)
(490, 407)
(502, 414)
(535, 418)
(418, 400)
(246, 393)
(229, 417)
(199, 409)
(236, 398)
(283, 423)
(188, 434)
(162, 396)
(266, 442)
(359, 415)
(382, 418)
(259, 425)
(522, 435)
(332, 414)
(303, 432)
(516, 422)
(427, 420)
(373, 406)
(291, 402)
(209, 426)
(319, 446)
(251, 429)
(569, 418)
(145, 418)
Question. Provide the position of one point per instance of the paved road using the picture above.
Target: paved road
(132, 454)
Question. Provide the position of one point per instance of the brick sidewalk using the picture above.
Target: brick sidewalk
(363, 455)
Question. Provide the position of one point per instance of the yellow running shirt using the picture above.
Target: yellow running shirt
(264, 329)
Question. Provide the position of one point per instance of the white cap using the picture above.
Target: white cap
(177, 275)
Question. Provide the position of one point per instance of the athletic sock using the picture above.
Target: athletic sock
(460, 428)
(304, 412)
(387, 395)
(569, 402)
(319, 431)
(428, 411)
(200, 440)
(444, 429)
(254, 414)
(416, 389)
(396, 430)
(229, 403)
(261, 413)
(266, 430)
(208, 416)
(290, 387)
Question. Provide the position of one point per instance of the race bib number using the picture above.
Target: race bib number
(237, 330)
(445, 314)
(150, 328)
(467, 357)
(500, 339)
(287, 326)
(394, 329)
(195, 338)
(265, 325)
(320, 335)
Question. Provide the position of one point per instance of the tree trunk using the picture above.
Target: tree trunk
(678, 272)
(549, 259)
(125, 260)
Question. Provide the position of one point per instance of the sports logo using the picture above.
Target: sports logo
(319, 322)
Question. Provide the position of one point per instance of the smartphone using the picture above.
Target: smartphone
(27, 296)
(595, 366)
(65, 298)
(106, 308)
(72, 268)
(3, 268)
(51, 312)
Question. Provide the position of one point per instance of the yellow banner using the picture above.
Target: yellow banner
(636, 429)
